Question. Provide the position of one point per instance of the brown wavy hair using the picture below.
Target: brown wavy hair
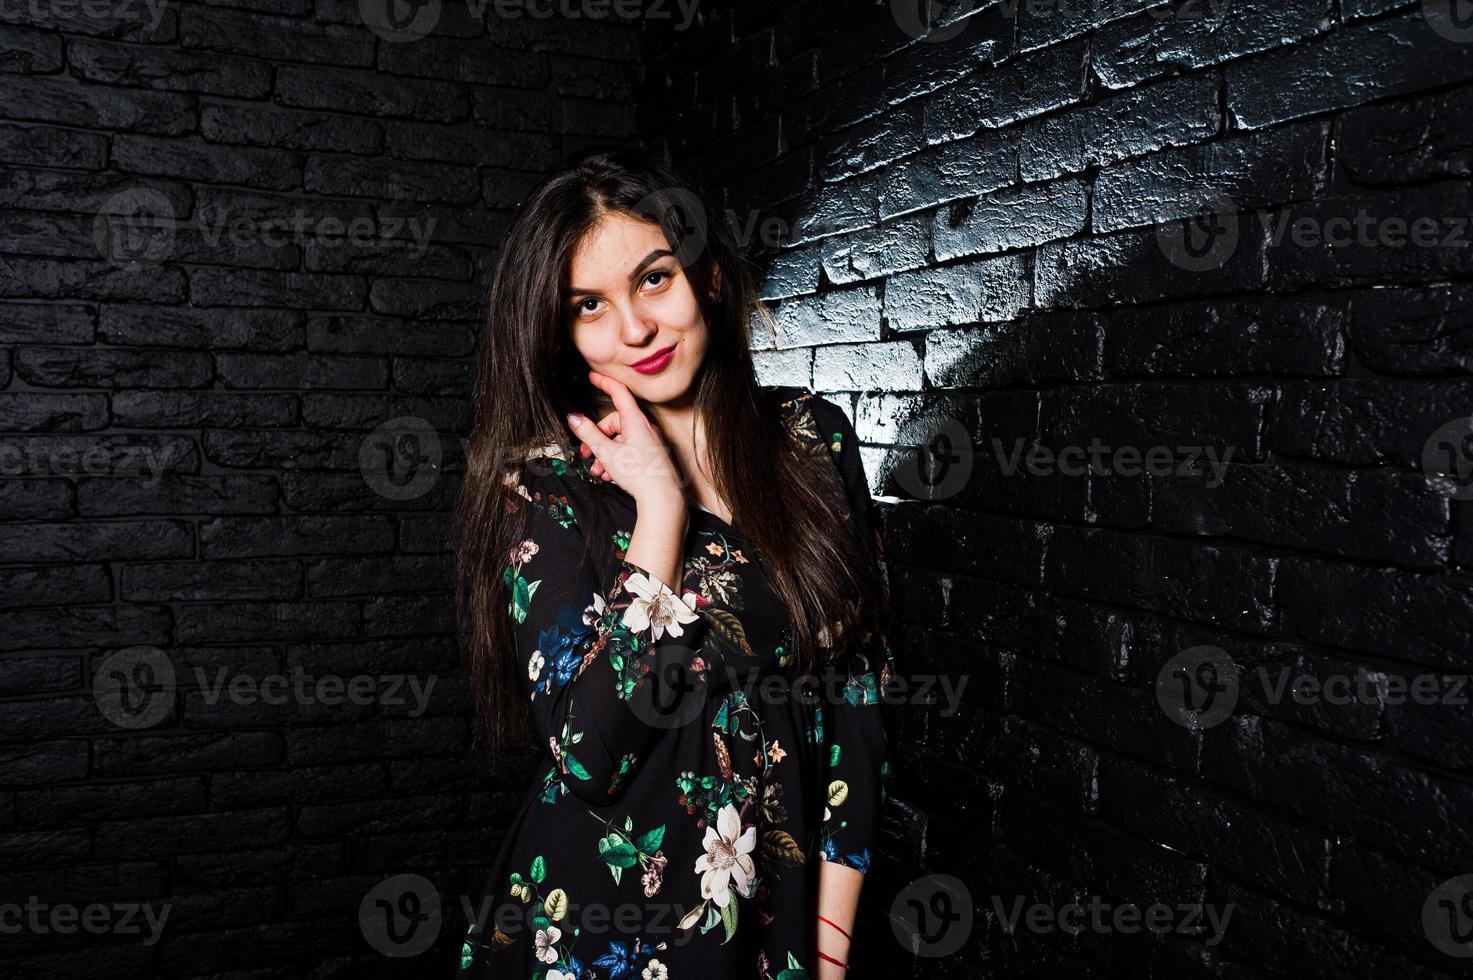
(530, 376)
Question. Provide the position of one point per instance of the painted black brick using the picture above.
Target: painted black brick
(970, 228)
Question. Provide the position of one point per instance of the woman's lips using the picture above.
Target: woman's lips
(656, 363)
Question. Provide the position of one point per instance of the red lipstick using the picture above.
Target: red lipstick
(656, 362)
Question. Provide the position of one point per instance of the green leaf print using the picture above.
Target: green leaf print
(539, 869)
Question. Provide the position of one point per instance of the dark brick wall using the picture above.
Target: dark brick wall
(192, 400)
(973, 235)
(980, 236)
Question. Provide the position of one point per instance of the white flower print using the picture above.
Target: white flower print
(545, 940)
(654, 970)
(534, 665)
(594, 611)
(523, 552)
(656, 607)
(728, 857)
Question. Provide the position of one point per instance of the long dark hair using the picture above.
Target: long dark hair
(790, 510)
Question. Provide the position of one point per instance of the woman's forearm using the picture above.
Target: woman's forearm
(658, 539)
(838, 901)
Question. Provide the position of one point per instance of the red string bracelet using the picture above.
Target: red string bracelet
(832, 960)
(846, 936)
(835, 925)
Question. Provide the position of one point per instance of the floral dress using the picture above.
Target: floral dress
(689, 792)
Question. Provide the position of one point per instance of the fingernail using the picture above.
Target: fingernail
(575, 420)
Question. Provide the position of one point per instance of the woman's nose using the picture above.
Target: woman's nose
(637, 328)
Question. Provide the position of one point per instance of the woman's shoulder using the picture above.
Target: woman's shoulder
(815, 420)
(552, 468)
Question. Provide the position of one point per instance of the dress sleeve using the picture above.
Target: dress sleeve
(856, 749)
(602, 643)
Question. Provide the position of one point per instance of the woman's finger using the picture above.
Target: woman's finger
(623, 398)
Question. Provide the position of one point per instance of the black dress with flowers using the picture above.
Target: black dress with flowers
(689, 793)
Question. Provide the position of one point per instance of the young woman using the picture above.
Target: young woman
(670, 576)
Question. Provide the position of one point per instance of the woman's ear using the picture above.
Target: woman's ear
(715, 282)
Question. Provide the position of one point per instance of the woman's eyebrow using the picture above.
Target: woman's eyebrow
(654, 256)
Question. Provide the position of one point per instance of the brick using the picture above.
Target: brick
(1010, 219)
(1129, 52)
(1135, 267)
(169, 69)
(893, 366)
(1171, 113)
(836, 317)
(289, 129)
(1401, 142)
(1214, 585)
(1378, 610)
(68, 102)
(1410, 236)
(964, 168)
(1376, 515)
(992, 98)
(1361, 62)
(984, 289)
(1030, 350)
(1338, 787)
(874, 252)
(1412, 331)
(1364, 421)
(1233, 336)
(1251, 171)
(1193, 819)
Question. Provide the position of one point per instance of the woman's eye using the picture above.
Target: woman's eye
(656, 274)
(583, 306)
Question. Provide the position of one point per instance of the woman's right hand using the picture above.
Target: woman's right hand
(628, 449)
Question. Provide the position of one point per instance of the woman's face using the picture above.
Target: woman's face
(629, 300)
